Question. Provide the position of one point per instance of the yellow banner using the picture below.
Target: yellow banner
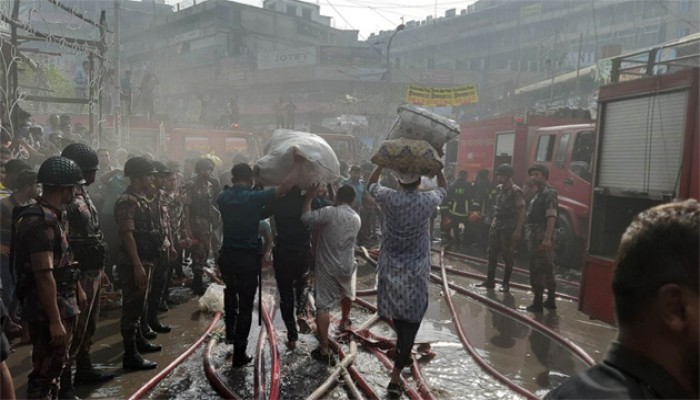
(441, 97)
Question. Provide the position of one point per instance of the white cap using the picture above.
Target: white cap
(407, 179)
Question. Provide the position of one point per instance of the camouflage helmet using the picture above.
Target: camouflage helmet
(83, 155)
(204, 164)
(161, 168)
(541, 168)
(137, 167)
(504, 169)
(60, 171)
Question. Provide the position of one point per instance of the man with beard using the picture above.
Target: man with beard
(655, 287)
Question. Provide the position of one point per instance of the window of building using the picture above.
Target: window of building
(562, 151)
(291, 10)
(306, 13)
(684, 5)
(545, 148)
(430, 63)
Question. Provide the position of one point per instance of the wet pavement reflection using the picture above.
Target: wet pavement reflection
(525, 355)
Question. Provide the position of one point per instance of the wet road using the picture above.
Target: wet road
(525, 355)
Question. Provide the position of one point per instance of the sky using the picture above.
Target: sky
(370, 16)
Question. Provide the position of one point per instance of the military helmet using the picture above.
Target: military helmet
(83, 155)
(60, 171)
(203, 164)
(137, 167)
(504, 169)
(539, 167)
(161, 168)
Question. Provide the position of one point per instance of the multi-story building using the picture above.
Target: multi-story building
(506, 44)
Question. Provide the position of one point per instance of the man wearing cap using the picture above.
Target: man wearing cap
(141, 247)
(89, 249)
(48, 278)
(241, 252)
(542, 213)
(404, 262)
(506, 227)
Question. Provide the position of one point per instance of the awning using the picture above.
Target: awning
(567, 77)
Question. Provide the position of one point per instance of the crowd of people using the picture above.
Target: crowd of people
(74, 217)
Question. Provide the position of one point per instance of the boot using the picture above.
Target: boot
(505, 287)
(490, 281)
(133, 360)
(146, 330)
(144, 346)
(550, 303)
(153, 321)
(86, 373)
(240, 358)
(198, 286)
(536, 306)
(66, 390)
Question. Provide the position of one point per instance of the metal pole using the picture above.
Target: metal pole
(116, 96)
(100, 78)
(91, 93)
(578, 65)
(14, 79)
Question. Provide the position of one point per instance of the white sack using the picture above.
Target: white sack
(320, 161)
(213, 299)
(417, 123)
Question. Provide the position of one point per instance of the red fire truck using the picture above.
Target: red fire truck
(646, 154)
(563, 143)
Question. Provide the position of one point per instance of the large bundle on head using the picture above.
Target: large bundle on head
(420, 124)
(407, 156)
(319, 162)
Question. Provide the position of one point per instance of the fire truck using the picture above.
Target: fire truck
(646, 154)
(564, 143)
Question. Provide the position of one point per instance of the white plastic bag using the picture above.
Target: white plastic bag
(213, 299)
(320, 161)
(417, 123)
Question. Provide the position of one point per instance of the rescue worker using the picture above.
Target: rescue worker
(506, 227)
(178, 226)
(542, 213)
(141, 246)
(48, 278)
(89, 250)
(241, 210)
(458, 196)
(201, 216)
(160, 272)
(479, 208)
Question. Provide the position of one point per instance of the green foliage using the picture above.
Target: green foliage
(46, 77)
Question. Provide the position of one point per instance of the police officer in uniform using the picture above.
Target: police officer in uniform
(459, 195)
(506, 227)
(542, 213)
(141, 245)
(48, 276)
(201, 215)
(89, 250)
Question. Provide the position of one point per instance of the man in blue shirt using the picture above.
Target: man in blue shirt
(239, 261)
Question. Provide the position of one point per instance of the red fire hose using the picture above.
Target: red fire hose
(167, 370)
(485, 261)
(221, 388)
(472, 351)
(274, 355)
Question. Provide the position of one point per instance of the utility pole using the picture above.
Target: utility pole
(14, 79)
(116, 92)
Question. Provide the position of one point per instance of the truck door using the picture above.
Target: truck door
(505, 143)
(577, 180)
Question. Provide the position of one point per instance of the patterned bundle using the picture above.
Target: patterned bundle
(420, 124)
(407, 156)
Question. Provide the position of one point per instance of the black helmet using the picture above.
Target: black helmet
(203, 164)
(83, 155)
(241, 172)
(137, 167)
(161, 168)
(60, 171)
(539, 167)
(504, 169)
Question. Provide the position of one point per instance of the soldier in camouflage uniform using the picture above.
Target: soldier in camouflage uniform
(141, 247)
(47, 275)
(201, 216)
(89, 250)
(160, 273)
(506, 227)
(178, 224)
(542, 214)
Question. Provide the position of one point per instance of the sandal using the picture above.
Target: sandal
(394, 390)
(324, 358)
(345, 325)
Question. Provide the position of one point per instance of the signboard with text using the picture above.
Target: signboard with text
(441, 97)
(287, 58)
(350, 56)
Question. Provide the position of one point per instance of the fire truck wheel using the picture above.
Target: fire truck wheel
(567, 245)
